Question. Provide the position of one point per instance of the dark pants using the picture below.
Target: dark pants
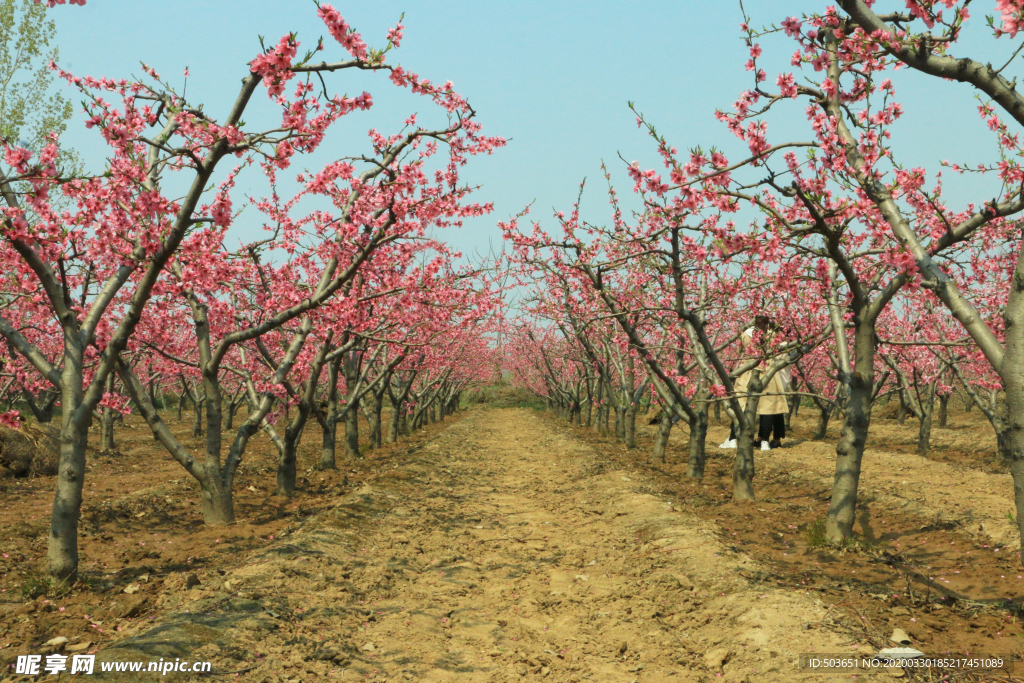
(767, 424)
(772, 423)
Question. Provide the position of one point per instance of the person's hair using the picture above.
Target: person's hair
(764, 323)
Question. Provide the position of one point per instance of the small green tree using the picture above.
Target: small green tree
(29, 106)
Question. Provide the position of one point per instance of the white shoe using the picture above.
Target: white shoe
(765, 446)
(728, 443)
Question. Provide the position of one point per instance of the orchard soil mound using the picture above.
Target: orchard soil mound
(29, 450)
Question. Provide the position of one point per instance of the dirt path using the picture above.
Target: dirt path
(504, 545)
(499, 551)
(513, 554)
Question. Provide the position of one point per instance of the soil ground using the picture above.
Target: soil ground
(506, 545)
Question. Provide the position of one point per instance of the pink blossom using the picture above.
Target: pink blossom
(11, 420)
(348, 38)
(791, 26)
(787, 85)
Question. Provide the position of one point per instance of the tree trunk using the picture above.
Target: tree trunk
(824, 415)
(620, 423)
(1012, 374)
(288, 455)
(351, 367)
(607, 411)
(924, 433)
(850, 449)
(1015, 445)
(376, 406)
(233, 406)
(395, 426)
(197, 418)
(698, 438)
(62, 543)
(588, 406)
(327, 447)
(743, 468)
(943, 410)
(107, 421)
(629, 428)
(788, 419)
(288, 452)
(629, 398)
(329, 437)
(216, 500)
(286, 462)
(218, 503)
(902, 415)
(41, 405)
(352, 434)
(661, 438)
(107, 430)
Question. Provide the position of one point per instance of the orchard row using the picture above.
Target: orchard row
(818, 269)
(864, 280)
(165, 272)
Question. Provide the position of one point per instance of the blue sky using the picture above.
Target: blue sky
(553, 77)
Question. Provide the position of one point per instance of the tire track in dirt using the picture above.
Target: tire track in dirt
(513, 555)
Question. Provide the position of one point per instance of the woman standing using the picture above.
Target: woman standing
(772, 407)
